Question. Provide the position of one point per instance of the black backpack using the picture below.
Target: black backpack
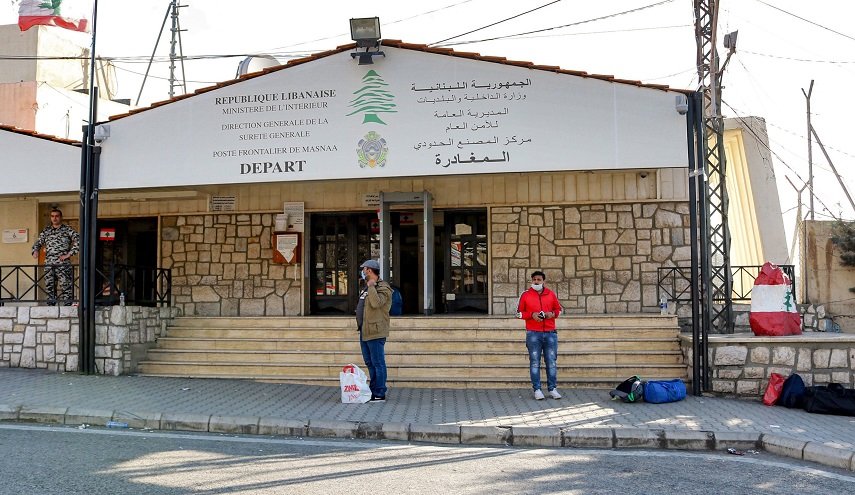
(792, 392)
(630, 390)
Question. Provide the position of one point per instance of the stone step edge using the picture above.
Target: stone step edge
(601, 383)
(429, 366)
(502, 436)
(401, 352)
(449, 339)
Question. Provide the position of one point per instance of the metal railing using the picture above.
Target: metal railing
(674, 282)
(141, 286)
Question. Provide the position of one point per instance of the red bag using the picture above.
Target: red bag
(773, 390)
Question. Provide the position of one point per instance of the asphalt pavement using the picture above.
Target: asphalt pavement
(582, 418)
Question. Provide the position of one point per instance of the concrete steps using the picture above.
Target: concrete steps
(460, 352)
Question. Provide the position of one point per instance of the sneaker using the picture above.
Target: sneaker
(554, 393)
(538, 395)
(377, 399)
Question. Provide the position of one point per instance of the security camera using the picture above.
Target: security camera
(643, 175)
(102, 132)
(682, 104)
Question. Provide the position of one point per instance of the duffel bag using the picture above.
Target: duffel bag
(661, 391)
(833, 398)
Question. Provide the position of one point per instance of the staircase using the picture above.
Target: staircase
(595, 351)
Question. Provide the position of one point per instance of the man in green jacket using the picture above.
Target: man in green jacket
(372, 320)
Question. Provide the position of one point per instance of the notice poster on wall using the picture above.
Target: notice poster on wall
(295, 211)
(15, 236)
(287, 247)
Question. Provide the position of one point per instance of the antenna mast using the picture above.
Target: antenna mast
(176, 40)
(171, 9)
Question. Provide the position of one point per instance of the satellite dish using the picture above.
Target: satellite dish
(255, 63)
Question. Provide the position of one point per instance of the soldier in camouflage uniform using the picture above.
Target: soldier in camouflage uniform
(61, 242)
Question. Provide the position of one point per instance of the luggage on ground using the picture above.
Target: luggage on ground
(662, 391)
(630, 390)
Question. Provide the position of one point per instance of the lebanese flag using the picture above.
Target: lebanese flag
(68, 14)
(773, 307)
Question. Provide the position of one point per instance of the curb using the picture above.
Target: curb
(500, 436)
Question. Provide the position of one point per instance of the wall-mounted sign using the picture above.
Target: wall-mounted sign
(107, 234)
(295, 211)
(223, 203)
(412, 114)
(371, 200)
(15, 236)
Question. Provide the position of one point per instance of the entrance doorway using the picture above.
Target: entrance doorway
(465, 252)
(126, 256)
(340, 242)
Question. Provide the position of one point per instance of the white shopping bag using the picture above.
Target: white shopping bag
(354, 385)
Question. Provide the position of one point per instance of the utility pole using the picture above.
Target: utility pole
(833, 168)
(810, 148)
(716, 278)
(797, 234)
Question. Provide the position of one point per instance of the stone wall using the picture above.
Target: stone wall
(47, 337)
(222, 266)
(742, 363)
(597, 258)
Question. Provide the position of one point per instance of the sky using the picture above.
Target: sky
(782, 45)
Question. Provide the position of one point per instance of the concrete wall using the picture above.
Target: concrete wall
(754, 212)
(826, 281)
(47, 337)
(742, 363)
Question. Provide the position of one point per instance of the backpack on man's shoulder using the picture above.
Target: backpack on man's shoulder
(630, 390)
(397, 308)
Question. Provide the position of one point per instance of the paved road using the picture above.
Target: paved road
(47, 460)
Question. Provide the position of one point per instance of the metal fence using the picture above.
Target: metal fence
(141, 286)
(675, 282)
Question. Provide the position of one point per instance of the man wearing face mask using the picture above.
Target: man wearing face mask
(539, 307)
(372, 320)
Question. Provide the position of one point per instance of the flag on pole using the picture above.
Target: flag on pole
(68, 14)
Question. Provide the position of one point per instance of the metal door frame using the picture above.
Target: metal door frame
(387, 199)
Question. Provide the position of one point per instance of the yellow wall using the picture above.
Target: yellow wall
(448, 192)
(18, 215)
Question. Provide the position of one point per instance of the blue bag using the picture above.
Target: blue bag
(793, 392)
(397, 308)
(661, 391)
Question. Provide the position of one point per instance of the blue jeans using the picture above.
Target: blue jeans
(545, 344)
(374, 355)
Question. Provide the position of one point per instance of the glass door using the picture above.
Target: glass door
(466, 261)
(340, 243)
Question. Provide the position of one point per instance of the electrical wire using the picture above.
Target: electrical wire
(385, 24)
(796, 59)
(616, 14)
(747, 127)
(495, 23)
(163, 78)
(806, 20)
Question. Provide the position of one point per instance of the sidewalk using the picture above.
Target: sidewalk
(583, 418)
